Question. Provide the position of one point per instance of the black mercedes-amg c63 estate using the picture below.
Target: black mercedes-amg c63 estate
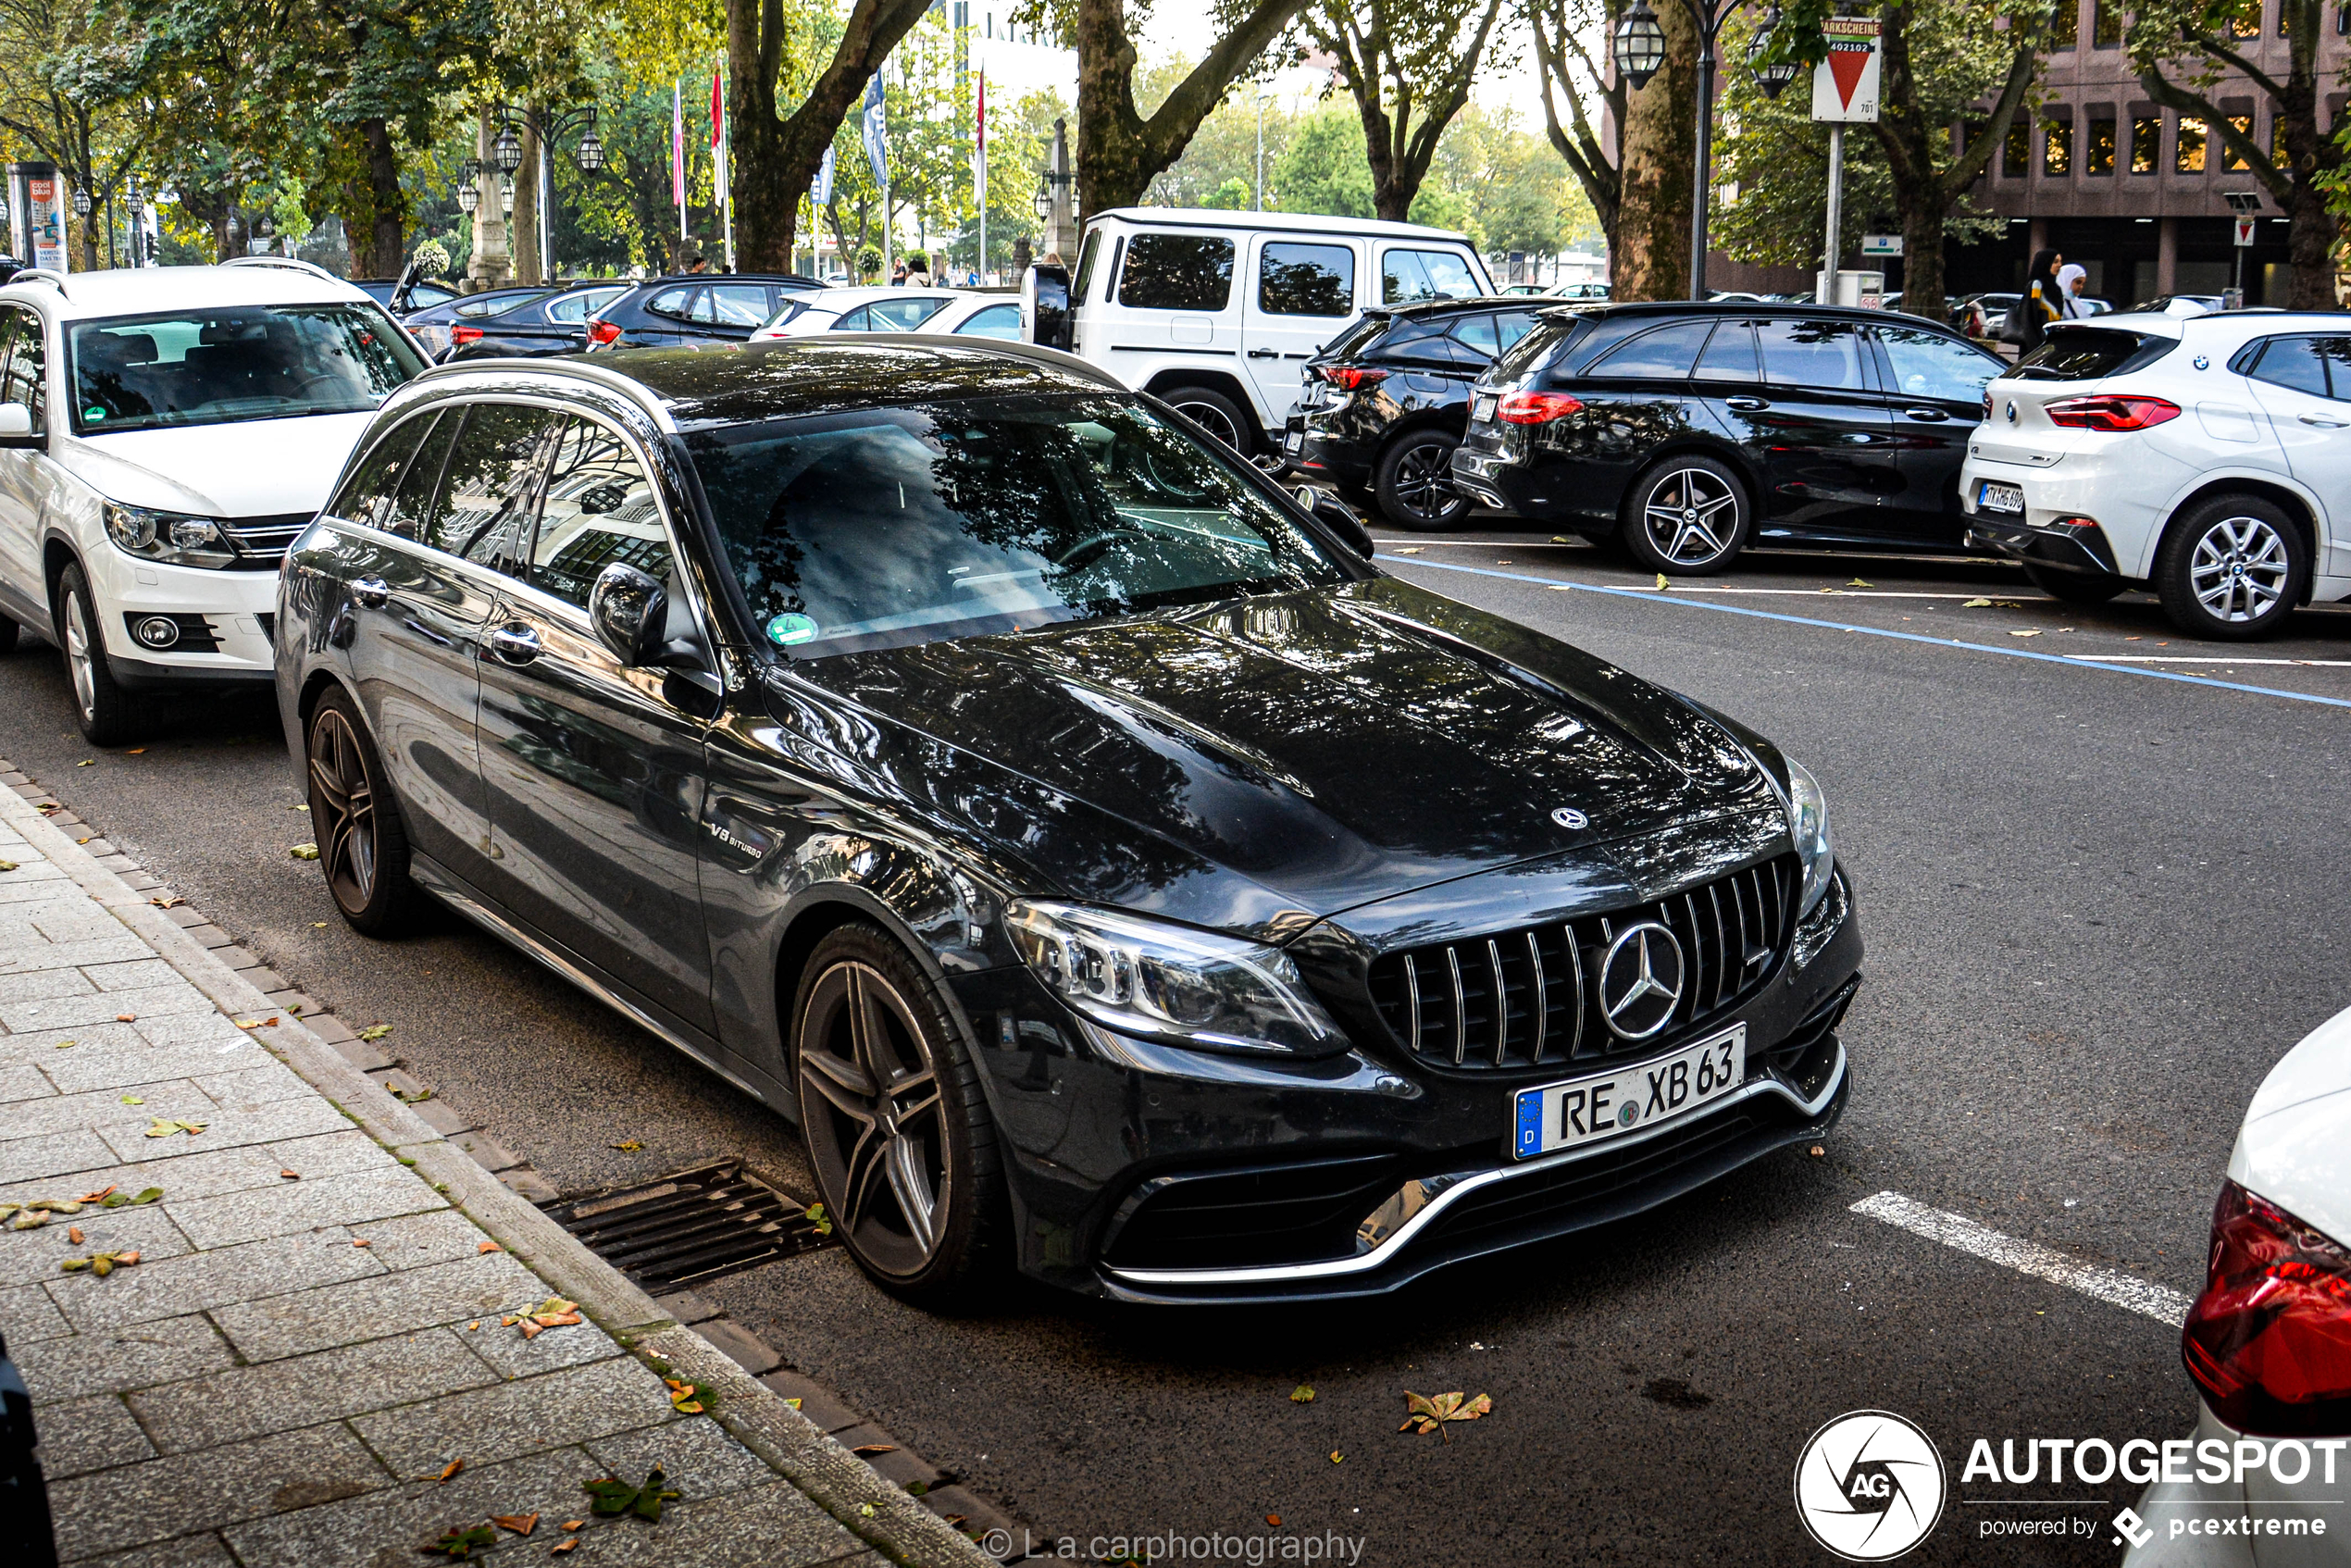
(1114, 873)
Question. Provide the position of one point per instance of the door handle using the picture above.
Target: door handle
(1746, 405)
(1932, 415)
(372, 592)
(515, 644)
(2322, 422)
(1265, 353)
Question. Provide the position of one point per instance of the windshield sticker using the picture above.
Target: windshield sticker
(785, 630)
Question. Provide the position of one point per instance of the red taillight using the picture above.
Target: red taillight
(2111, 413)
(1348, 377)
(2270, 1339)
(1535, 407)
(603, 333)
(464, 334)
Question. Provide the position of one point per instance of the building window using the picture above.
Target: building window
(2017, 151)
(2187, 158)
(2065, 28)
(2100, 151)
(2245, 22)
(2146, 143)
(2057, 151)
(2105, 24)
(2230, 157)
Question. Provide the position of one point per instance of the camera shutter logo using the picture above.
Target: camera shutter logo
(1870, 1485)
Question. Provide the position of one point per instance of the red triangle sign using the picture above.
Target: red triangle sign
(1846, 65)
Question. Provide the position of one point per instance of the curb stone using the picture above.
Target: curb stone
(791, 1444)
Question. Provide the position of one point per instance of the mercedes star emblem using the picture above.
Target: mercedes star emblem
(1567, 816)
(1641, 981)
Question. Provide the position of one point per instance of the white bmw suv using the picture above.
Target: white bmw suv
(165, 432)
(2208, 457)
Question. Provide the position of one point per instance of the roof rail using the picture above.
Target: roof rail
(42, 275)
(292, 263)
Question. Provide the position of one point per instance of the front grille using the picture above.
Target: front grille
(261, 542)
(1539, 1198)
(1529, 997)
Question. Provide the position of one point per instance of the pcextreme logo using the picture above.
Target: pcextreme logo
(1870, 1485)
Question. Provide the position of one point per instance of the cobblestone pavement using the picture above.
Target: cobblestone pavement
(308, 1362)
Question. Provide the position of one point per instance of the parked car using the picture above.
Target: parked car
(553, 322)
(430, 325)
(1154, 301)
(1983, 316)
(2204, 457)
(2179, 305)
(953, 311)
(1385, 405)
(2268, 1344)
(1684, 431)
(165, 432)
(400, 297)
(695, 309)
(955, 750)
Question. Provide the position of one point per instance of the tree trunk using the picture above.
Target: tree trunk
(1392, 190)
(1119, 152)
(529, 266)
(387, 249)
(1659, 147)
(2309, 249)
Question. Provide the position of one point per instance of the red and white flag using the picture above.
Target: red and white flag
(676, 147)
(718, 133)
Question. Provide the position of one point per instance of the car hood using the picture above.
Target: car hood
(2295, 1147)
(246, 468)
(1266, 762)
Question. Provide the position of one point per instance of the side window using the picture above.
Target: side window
(858, 320)
(671, 302)
(1426, 275)
(1306, 279)
(1078, 285)
(483, 511)
(1825, 355)
(1477, 332)
(1402, 279)
(906, 314)
(996, 321)
(412, 502)
(1663, 354)
(1730, 353)
(599, 509)
(570, 310)
(735, 305)
(2321, 366)
(366, 497)
(1930, 365)
(1177, 272)
(25, 376)
(1514, 325)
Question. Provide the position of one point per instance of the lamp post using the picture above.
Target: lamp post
(551, 128)
(1640, 51)
(135, 204)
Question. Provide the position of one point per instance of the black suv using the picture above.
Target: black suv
(695, 310)
(1385, 404)
(1687, 431)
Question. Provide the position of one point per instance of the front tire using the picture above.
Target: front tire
(1688, 514)
(904, 1151)
(110, 714)
(2075, 587)
(363, 844)
(1214, 412)
(1414, 486)
(2232, 569)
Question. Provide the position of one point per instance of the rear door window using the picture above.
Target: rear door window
(599, 509)
(1177, 272)
(484, 510)
(412, 502)
(1730, 353)
(996, 321)
(1408, 275)
(671, 302)
(1930, 365)
(1663, 354)
(2320, 365)
(1306, 279)
(904, 315)
(1824, 355)
(1086, 255)
(366, 497)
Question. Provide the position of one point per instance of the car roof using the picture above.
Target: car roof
(1285, 222)
(141, 291)
(796, 278)
(866, 293)
(1469, 302)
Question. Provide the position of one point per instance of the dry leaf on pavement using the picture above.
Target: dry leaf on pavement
(73, 1234)
(126, 1017)
(454, 1465)
(629, 1147)
(303, 851)
(160, 1127)
(361, 1241)
(1274, 1520)
(1302, 1395)
(618, 1497)
(489, 1246)
(1977, 604)
(374, 1032)
(291, 1176)
(8, 866)
(866, 1450)
(172, 902)
(135, 1100)
(688, 1398)
(521, 1524)
(566, 1546)
(463, 1543)
(1337, 1458)
(97, 1197)
(1431, 1415)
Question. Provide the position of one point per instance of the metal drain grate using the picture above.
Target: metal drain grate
(692, 1225)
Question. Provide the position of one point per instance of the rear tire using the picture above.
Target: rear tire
(1415, 484)
(2232, 569)
(1214, 412)
(363, 844)
(109, 713)
(2075, 587)
(1689, 516)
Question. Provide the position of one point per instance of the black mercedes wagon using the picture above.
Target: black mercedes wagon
(1685, 432)
(1114, 872)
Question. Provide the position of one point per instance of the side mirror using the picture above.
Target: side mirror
(1337, 517)
(629, 611)
(16, 427)
(1045, 307)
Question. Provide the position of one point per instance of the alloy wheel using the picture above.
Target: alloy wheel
(1424, 482)
(1691, 516)
(1214, 420)
(2240, 569)
(875, 1117)
(85, 689)
(343, 804)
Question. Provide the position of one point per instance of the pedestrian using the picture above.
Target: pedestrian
(898, 273)
(2037, 306)
(918, 273)
(695, 261)
(2069, 278)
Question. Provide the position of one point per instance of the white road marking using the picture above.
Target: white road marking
(2160, 1303)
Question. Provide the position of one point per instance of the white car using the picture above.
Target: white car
(165, 433)
(2269, 1342)
(895, 310)
(2205, 456)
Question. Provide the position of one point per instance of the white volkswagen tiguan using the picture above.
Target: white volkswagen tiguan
(165, 432)
(2208, 457)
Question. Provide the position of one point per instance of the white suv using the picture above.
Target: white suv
(2208, 457)
(165, 432)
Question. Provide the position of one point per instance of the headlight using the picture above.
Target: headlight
(1171, 983)
(171, 537)
(1808, 820)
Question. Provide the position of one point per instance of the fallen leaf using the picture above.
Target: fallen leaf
(133, 1099)
(1817, 1151)
(291, 1176)
(87, 762)
(521, 1524)
(73, 1234)
(618, 1497)
(375, 1032)
(2030, 631)
(462, 1543)
(565, 1546)
(1337, 1458)
(361, 1241)
(1274, 1520)
(1977, 604)
(147, 1196)
(1432, 1414)
(1661, 582)
(126, 1017)
(817, 1216)
(8, 866)
(172, 902)
(454, 1465)
(48, 808)
(474, 1325)
(318, 925)
(297, 808)
(1413, 551)
(1857, 582)
(135, 750)
(574, 1523)
(490, 1247)
(97, 1197)
(65, 1045)
(1302, 1395)
(685, 1398)
(303, 851)
(158, 1127)
(866, 1448)
(630, 1147)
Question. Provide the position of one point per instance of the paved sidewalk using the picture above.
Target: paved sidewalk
(307, 1364)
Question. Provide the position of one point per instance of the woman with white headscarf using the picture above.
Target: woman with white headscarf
(2069, 278)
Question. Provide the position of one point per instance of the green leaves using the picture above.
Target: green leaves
(618, 1497)
(158, 1127)
(1302, 1395)
(100, 1263)
(817, 1216)
(374, 1032)
(303, 851)
(1432, 1414)
(463, 1543)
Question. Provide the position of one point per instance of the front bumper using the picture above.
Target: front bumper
(235, 612)
(1153, 1174)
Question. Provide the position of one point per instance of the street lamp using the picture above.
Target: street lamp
(1769, 78)
(506, 151)
(1639, 45)
(81, 202)
(1640, 51)
(506, 196)
(591, 156)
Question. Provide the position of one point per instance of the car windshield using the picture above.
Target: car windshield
(241, 361)
(898, 525)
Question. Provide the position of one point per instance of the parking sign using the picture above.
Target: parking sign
(1845, 83)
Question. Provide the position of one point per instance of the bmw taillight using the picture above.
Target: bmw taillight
(1535, 407)
(603, 334)
(1349, 378)
(2110, 412)
(2270, 1339)
(461, 335)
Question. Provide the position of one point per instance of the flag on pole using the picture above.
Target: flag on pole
(876, 132)
(823, 193)
(718, 132)
(676, 147)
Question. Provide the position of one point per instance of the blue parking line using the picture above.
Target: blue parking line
(1651, 597)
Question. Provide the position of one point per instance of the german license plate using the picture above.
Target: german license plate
(1550, 1117)
(1294, 439)
(1481, 407)
(1997, 497)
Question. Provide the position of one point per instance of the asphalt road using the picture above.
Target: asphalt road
(2099, 905)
